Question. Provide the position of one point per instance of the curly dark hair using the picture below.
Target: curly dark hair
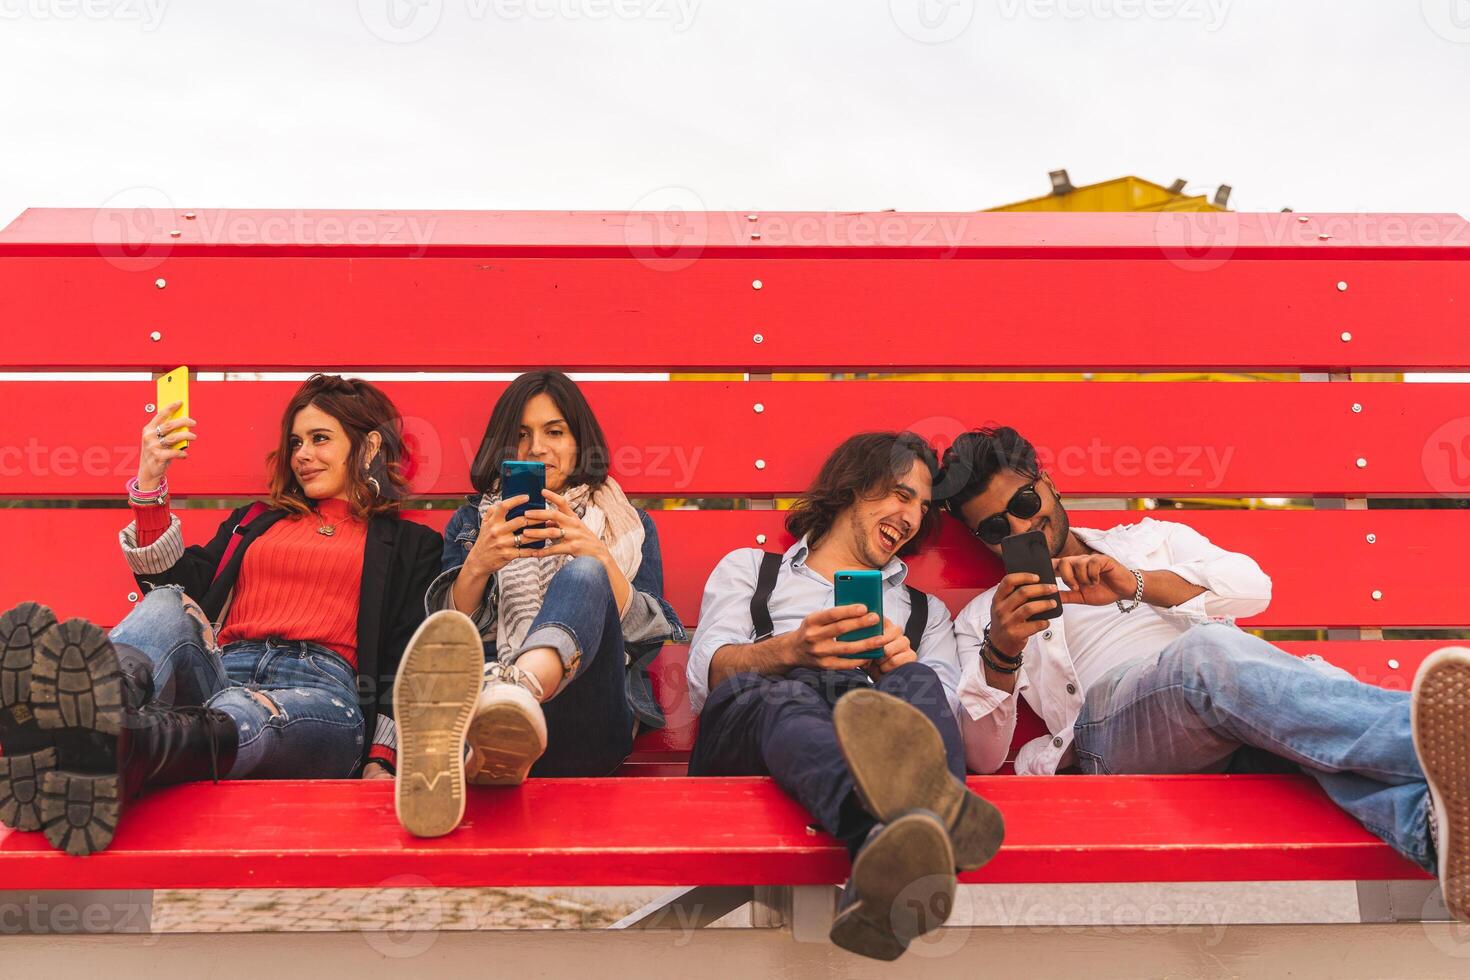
(866, 465)
(972, 461)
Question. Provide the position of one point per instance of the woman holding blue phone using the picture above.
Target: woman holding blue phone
(553, 589)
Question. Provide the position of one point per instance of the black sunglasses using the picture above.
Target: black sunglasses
(1024, 504)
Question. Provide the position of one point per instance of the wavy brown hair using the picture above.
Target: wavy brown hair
(360, 408)
(866, 465)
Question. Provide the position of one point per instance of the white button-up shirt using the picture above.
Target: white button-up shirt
(1086, 642)
(724, 614)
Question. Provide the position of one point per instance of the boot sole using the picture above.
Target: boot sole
(76, 691)
(434, 696)
(29, 753)
(506, 739)
(898, 763)
(905, 883)
(1440, 717)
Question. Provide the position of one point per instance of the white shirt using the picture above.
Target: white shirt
(724, 614)
(1086, 642)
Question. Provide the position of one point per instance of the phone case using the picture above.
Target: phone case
(524, 477)
(1028, 553)
(174, 387)
(862, 586)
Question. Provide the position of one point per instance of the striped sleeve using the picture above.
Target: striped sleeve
(385, 743)
(155, 558)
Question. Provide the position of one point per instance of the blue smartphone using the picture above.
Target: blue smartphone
(864, 587)
(524, 477)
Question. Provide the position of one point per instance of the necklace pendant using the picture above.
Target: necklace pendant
(326, 530)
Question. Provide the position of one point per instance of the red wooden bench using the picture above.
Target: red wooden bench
(220, 291)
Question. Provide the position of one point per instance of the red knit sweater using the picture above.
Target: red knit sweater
(295, 583)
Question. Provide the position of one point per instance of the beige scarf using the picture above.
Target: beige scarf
(521, 586)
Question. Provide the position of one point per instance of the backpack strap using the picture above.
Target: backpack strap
(256, 509)
(760, 601)
(918, 617)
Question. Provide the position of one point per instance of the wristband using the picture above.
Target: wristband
(150, 498)
(996, 660)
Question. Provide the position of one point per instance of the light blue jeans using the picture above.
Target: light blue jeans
(316, 729)
(1218, 699)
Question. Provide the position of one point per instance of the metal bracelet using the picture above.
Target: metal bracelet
(1137, 593)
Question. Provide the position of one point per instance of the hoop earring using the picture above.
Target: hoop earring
(373, 482)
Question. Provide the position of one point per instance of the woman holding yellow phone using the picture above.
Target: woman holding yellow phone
(245, 658)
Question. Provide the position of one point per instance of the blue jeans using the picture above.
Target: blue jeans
(753, 725)
(1220, 700)
(589, 722)
(316, 729)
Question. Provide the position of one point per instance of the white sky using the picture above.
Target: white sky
(1340, 105)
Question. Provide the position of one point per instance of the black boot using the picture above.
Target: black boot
(106, 743)
(26, 750)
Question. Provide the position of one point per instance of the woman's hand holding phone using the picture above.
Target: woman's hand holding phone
(495, 546)
(160, 436)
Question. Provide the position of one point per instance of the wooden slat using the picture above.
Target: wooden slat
(861, 314)
(687, 439)
(561, 832)
(142, 234)
(1323, 569)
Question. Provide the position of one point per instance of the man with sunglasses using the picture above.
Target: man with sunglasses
(1145, 672)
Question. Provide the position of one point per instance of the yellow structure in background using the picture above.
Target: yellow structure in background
(1120, 194)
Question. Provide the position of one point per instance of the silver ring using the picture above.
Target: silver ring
(561, 532)
(159, 433)
(517, 539)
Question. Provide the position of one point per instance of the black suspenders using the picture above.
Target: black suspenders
(765, 584)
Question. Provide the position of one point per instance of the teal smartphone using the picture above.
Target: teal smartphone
(864, 587)
(519, 477)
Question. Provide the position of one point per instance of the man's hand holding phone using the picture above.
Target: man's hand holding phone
(897, 651)
(160, 437)
(1019, 596)
(814, 643)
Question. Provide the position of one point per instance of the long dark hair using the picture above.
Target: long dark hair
(503, 431)
(360, 408)
(865, 466)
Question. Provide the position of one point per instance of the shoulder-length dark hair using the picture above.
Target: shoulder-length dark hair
(503, 431)
(360, 408)
(866, 466)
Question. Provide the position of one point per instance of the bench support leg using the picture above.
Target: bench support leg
(807, 910)
(75, 912)
(1401, 901)
(688, 908)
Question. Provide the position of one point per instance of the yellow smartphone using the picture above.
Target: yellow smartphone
(174, 387)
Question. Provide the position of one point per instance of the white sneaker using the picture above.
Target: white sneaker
(1440, 715)
(433, 699)
(508, 732)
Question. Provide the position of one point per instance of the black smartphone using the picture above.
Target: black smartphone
(524, 477)
(1028, 553)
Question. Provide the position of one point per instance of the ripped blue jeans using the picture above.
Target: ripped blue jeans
(309, 725)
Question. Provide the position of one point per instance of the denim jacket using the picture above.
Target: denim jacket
(648, 624)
